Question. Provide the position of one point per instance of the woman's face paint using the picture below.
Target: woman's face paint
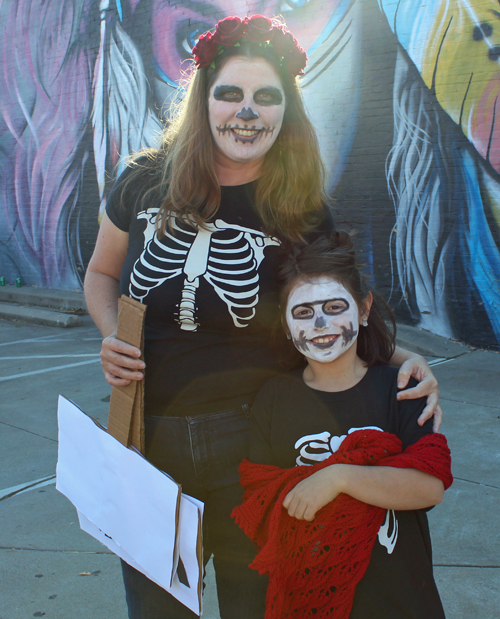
(246, 105)
(323, 319)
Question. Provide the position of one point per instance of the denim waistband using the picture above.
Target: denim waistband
(183, 413)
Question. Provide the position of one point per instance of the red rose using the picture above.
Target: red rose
(205, 50)
(286, 45)
(296, 62)
(229, 31)
(258, 28)
(283, 42)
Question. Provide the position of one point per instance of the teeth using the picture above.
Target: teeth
(246, 133)
(324, 340)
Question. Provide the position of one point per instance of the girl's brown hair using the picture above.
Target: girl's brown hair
(289, 193)
(335, 257)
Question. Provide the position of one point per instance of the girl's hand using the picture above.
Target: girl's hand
(120, 362)
(418, 367)
(313, 493)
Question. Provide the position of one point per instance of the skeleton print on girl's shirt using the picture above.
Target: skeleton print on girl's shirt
(315, 448)
(225, 255)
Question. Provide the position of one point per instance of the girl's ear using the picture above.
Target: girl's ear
(286, 329)
(365, 309)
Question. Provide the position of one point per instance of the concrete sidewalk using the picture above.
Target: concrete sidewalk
(49, 568)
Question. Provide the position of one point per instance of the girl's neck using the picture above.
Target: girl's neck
(231, 173)
(339, 375)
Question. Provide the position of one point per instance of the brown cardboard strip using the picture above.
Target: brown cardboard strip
(126, 409)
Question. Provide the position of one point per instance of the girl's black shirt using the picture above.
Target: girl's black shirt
(294, 425)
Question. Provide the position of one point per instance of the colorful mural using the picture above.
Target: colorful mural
(403, 94)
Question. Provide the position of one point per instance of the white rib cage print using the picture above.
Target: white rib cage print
(226, 255)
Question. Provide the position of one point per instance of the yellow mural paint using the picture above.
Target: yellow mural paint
(461, 64)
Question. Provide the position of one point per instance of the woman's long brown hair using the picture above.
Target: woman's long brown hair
(289, 193)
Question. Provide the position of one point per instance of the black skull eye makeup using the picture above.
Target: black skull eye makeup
(268, 96)
(234, 94)
(225, 92)
(332, 307)
(335, 306)
(302, 312)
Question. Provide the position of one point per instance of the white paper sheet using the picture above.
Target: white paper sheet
(190, 551)
(122, 494)
(191, 511)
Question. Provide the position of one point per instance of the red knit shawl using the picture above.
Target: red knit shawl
(314, 567)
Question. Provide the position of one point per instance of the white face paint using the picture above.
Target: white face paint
(323, 319)
(246, 105)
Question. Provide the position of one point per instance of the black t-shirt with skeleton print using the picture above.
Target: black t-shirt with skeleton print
(294, 425)
(212, 327)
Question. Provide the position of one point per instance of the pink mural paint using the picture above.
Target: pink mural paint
(176, 27)
(485, 123)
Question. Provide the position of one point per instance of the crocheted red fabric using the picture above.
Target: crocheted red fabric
(314, 567)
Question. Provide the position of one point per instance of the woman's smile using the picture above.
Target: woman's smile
(244, 134)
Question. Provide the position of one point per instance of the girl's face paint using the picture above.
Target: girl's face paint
(246, 105)
(323, 318)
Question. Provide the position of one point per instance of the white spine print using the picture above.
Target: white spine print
(388, 532)
(187, 307)
(196, 265)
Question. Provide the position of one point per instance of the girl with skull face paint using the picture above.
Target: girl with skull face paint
(366, 552)
(192, 230)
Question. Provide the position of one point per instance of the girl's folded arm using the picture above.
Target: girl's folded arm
(382, 486)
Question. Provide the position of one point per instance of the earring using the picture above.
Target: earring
(288, 336)
(365, 322)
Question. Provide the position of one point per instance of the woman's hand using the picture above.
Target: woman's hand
(418, 367)
(311, 494)
(120, 362)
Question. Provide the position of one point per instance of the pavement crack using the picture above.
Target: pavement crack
(469, 565)
(442, 398)
(478, 483)
(29, 431)
(78, 552)
(441, 360)
(38, 483)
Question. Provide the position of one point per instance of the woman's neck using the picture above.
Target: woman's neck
(339, 375)
(231, 173)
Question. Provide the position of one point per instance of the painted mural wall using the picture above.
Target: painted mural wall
(404, 95)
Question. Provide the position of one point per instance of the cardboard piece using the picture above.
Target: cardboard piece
(126, 417)
(134, 509)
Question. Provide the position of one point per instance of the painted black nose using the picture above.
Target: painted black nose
(247, 114)
(320, 322)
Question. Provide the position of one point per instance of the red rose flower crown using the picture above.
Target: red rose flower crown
(258, 29)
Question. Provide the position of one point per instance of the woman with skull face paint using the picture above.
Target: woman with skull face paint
(324, 428)
(192, 229)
